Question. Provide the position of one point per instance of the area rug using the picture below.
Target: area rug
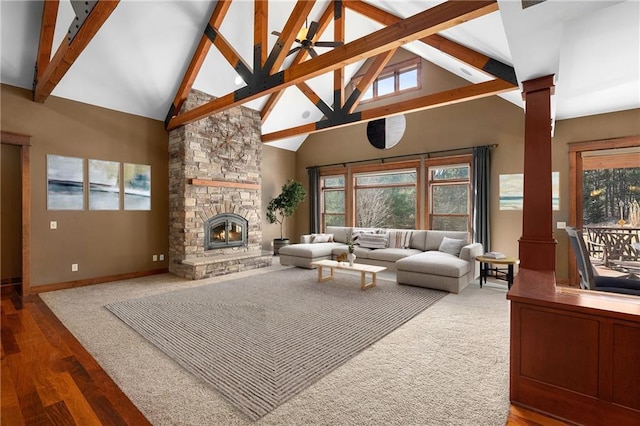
(260, 340)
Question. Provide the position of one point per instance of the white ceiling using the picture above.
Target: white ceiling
(136, 61)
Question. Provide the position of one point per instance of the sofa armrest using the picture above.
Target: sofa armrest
(470, 251)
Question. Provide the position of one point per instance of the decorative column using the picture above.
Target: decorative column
(537, 247)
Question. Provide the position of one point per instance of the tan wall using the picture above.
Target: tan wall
(11, 227)
(278, 166)
(102, 243)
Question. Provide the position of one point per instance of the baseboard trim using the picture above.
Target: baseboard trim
(91, 281)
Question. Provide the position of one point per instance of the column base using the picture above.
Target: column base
(539, 255)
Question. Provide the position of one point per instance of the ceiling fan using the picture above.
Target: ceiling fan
(305, 38)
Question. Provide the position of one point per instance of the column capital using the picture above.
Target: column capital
(537, 84)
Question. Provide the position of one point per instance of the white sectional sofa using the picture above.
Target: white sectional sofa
(424, 258)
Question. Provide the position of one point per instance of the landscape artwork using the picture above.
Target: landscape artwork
(104, 185)
(512, 188)
(65, 183)
(137, 187)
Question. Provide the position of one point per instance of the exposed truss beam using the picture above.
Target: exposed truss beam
(438, 18)
(369, 77)
(338, 35)
(477, 60)
(67, 53)
(448, 97)
(260, 33)
(287, 37)
(315, 99)
(47, 30)
(230, 54)
(217, 16)
(324, 21)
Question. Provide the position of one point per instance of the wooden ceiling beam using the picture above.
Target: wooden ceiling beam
(217, 16)
(232, 56)
(438, 18)
(338, 35)
(474, 59)
(315, 99)
(448, 97)
(369, 77)
(323, 23)
(260, 33)
(280, 50)
(67, 53)
(47, 30)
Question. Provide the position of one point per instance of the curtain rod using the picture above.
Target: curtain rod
(427, 154)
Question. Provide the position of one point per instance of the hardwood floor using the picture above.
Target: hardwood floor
(48, 378)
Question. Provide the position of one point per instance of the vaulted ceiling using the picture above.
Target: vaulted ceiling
(143, 57)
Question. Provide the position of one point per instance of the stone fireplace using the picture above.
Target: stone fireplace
(214, 193)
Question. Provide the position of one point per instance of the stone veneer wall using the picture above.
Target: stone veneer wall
(225, 152)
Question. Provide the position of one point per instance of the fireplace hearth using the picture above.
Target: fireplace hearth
(225, 230)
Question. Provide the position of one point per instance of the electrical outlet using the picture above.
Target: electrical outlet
(162, 257)
(74, 267)
(561, 225)
(155, 257)
(53, 225)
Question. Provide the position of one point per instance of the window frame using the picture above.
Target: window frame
(394, 70)
(323, 190)
(432, 183)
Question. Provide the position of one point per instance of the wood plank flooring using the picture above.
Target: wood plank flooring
(48, 378)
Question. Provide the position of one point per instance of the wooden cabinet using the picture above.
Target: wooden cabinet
(574, 355)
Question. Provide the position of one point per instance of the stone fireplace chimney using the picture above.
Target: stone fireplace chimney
(214, 178)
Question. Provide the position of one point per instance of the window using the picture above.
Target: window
(449, 197)
(393, 80)
(333, 201)
(386, 199)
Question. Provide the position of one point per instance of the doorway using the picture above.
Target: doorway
(16, 211)
(605, 204)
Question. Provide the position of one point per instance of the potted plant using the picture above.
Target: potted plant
(351, 257)
(283, 206)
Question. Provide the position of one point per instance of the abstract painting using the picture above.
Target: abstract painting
(104, 185)
(137, 187)
(65, 183)
(512, 188)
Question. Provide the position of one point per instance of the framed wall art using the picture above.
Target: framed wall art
(104, 185)
(137, 186)
(65, 183)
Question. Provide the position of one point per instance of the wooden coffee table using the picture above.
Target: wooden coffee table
(362, 268)
(499, 273)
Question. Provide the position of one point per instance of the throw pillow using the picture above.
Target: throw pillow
(400, 239)
(374, 241)
(356, 233)
(321, 238)
(451, 246)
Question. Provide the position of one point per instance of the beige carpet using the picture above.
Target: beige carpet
(447, 366)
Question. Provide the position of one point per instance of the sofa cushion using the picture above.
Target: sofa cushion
(357, 232)
(340, 233)
(391, 254)
(373, 241)
(321, 238)
(434, 238)
(435, 263)
(418, 240)
(400, 239)
(309, 250)
(451, 246)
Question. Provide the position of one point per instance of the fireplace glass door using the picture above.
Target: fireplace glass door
(225, 230)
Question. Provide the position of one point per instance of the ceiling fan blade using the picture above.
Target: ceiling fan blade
(276, 33)
(312, 52)
(294, 50)
(328, 43)
(313, 29)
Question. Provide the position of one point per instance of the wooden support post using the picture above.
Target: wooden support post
(537, 246)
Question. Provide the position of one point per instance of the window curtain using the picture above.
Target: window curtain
(481, 195)
(314, 200)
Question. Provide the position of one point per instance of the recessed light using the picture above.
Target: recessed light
(238, 81)
(306, 114)
(465, 71)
